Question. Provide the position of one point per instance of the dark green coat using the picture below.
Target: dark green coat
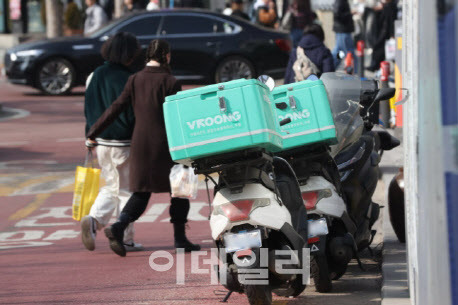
(106, 85)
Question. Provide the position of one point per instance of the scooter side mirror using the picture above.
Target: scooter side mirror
(384, 94)
(268, 81)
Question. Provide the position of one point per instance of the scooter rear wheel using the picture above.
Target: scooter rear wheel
(259, 294)
(338, 273)
(320, 273)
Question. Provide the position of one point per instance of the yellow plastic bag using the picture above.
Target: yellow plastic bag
(86, 188)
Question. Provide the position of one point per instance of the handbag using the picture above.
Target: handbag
(183, 182)
(287, 21)
(87, 181)
(390, 49)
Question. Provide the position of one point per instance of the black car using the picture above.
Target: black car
(206, 47)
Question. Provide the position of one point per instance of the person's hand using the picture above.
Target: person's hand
(90, 144)
(271, 4)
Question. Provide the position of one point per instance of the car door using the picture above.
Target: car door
(145, 28)
(195, 42)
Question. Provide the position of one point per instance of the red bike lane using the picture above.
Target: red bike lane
(42, 259)
(41, 255)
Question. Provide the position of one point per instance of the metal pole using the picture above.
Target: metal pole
(384, 110)
(54, 18)
(118, 8)
(360, 45)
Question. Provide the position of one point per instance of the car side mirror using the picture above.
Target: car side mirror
(268, 81)
(384, 94)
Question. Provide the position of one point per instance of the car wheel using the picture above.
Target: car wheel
(234, 67)
(56, 76)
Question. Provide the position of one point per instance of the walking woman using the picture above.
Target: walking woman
(103, 87)
(150, 162)
(298, 16)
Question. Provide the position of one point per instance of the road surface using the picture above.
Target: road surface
(42, 259)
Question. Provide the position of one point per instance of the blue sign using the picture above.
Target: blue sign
(448, 72)
(2, 16)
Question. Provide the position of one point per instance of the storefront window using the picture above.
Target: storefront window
(35, 24)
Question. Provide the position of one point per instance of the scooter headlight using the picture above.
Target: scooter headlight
(241, 209)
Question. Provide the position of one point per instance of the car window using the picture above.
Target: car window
(142, 27)
(104, 30)
(225, 27)
(189, 25)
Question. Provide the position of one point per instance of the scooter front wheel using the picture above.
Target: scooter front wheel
(259, 294)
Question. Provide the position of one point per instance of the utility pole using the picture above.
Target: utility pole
(118, 8)
(54, 18)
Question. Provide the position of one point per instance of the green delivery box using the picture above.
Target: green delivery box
(306, 104)
(220, 118)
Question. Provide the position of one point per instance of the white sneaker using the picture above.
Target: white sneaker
(88, 232)
(133, 247)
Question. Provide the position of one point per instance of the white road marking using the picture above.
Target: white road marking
(16, 113)
(35, 238)
(55, 212)
(21, 235)
(61, 234)
(12, 240)
(22, 143)
(44, 187)
(70, 140)
(154, 212)
(9, 144)
(19, 164)
(14, 245)
(194, 212)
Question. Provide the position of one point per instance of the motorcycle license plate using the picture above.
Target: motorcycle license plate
(242, 240)
(318, 227)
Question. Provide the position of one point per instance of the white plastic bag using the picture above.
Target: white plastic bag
(183, 182)
(390, 49)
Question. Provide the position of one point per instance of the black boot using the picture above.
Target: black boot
(115, 234)
(181, 241)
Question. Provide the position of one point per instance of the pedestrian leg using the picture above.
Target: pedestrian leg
(179, 210)
(105, 203)
(134, 208)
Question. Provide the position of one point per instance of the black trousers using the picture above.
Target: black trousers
(137, 203)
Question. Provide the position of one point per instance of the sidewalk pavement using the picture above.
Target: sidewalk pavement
(10, 40)
(6, 41)
(395, 287)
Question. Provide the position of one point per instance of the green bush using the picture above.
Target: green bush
(73, 17)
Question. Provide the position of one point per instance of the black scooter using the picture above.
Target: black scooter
(338, 190)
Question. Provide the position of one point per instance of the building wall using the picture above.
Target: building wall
(426, 208)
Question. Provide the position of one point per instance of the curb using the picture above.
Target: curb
(395, 284)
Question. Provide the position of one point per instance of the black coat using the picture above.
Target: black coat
(343, 18)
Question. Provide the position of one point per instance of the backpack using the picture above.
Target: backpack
(303, 66)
